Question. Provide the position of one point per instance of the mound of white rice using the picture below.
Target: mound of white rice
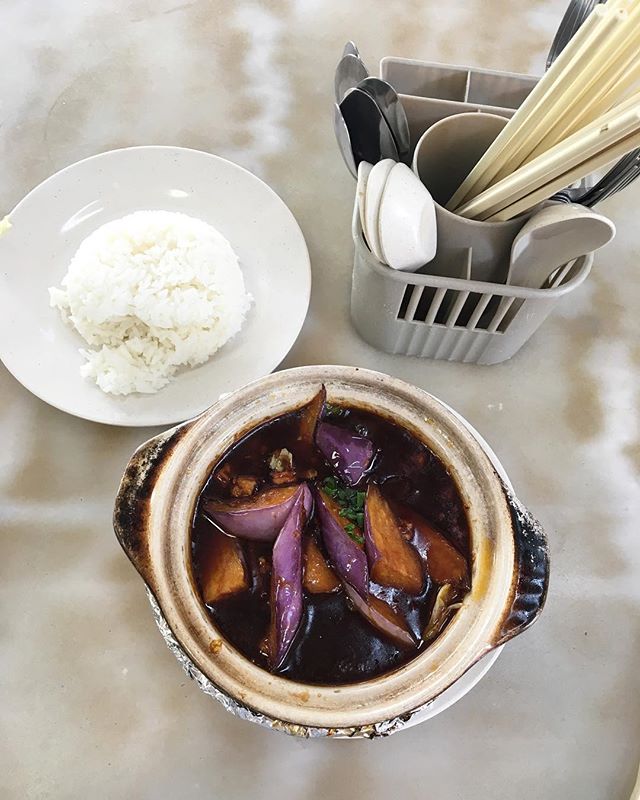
(149, 293)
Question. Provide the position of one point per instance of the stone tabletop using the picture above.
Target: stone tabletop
(92, 704)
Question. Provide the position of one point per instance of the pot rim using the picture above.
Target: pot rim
(164, 562)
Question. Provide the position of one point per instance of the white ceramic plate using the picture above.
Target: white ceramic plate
(52, 220)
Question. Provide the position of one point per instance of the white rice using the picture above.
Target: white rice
(149, 293)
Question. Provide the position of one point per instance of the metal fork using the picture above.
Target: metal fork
(618, 178)
(575, 15)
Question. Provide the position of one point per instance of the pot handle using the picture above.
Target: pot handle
(531, 572)
(131, 514)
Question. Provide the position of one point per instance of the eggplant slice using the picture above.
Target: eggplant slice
(310, 417)
(287, 602)
(347, 556)
(444, 564)
(350, 455)
(319, 578)
(384, 618)
(259, 517)
(392, 560)
(222, 566)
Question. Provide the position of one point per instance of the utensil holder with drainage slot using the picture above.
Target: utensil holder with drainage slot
(458, 307)
(429, 92)
(454, 319)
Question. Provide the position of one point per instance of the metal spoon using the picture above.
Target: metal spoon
(371, 137)
(349, 72)
(351, 49)
(344, 140)
(392, 110)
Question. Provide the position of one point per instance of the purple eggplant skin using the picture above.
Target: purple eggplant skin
(259, 517)
(347, 558)
(382, 617)
(349, 454)
(286, 577)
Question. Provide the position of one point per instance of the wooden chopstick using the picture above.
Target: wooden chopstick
(596, 81)
(599, 135)
(584, 144)
(629, 84)
(481, 175)
(565, 97)
(580, 116)
(566, 179)
(628, 4)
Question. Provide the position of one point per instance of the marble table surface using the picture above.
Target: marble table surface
(92, 704)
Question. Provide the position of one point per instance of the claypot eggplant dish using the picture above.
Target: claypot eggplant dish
(328, 550)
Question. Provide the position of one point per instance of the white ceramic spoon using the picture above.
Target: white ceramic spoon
(364, 169)
(555, 235)
(375, 186)
(635, 792)
(407, 227)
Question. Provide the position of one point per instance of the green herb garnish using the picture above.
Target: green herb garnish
(351, 503)
(330, 410)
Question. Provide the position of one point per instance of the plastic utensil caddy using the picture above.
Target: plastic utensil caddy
(450, 318)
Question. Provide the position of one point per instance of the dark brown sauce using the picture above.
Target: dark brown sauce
(335, 644)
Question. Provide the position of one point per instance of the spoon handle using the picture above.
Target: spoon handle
(635, 792)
